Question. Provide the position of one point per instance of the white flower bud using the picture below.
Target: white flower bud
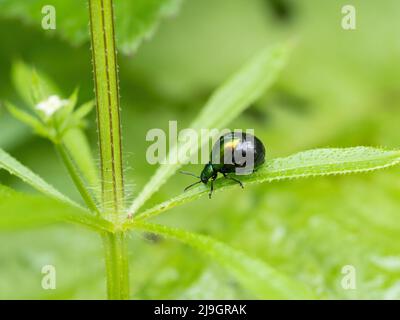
(51, 105)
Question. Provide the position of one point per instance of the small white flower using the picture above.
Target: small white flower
(51, 105)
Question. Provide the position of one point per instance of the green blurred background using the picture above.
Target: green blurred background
(341, 88)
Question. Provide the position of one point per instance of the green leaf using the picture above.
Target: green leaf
(135, 20)
(318, 162)
(138, 20)
(231, 99)
(83, 110)
(28, 119)
(253, 274)
(63, 116)
(18, 210)
(14, 167)
(32, 85)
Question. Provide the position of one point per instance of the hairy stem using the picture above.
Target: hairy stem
(107, 104)
(116, 265)
(109, 132)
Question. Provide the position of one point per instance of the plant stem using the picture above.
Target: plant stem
(116, 265)
(76, 178)
(107, 104)
(109, 134)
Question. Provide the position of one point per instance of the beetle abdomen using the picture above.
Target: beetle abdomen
(237, 150)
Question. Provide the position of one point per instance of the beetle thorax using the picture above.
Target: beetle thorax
(207, 173)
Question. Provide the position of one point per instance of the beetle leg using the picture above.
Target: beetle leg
(234, 179)
(212, 188)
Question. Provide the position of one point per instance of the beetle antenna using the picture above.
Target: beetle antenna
(193, 184)
(189, 174)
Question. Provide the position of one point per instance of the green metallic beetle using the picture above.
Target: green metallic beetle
(233, 152)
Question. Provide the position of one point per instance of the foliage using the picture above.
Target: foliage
(140, 24)
(302, 232)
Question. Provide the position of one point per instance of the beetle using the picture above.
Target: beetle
(233, 152)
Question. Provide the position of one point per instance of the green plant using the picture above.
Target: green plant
(107, 213)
